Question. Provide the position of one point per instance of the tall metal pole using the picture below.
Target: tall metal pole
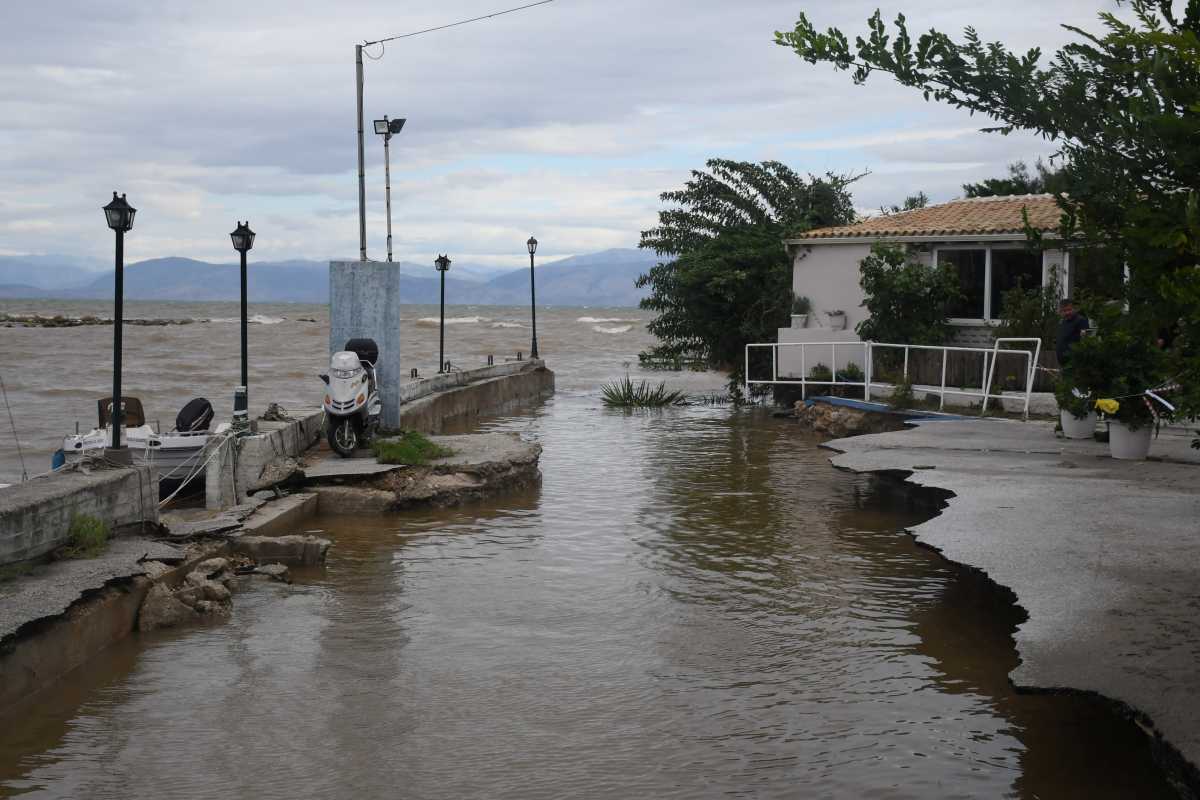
(118, 416)
(387, 186)
(532, 309)
(442, 333)
(245, 357)
(362, 175)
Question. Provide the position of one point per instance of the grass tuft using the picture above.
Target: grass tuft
(86, 538)
(627, 394)
(409, 448)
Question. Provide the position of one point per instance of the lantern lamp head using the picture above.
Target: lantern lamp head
(119, 214)
(532, 245)
(243, 237)
(441, 263)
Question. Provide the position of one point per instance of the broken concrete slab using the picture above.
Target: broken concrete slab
(281, 516)
(332, 467)
(1103, 555)
(292, 550)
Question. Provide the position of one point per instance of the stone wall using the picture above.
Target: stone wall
(248, 463)
(35, 515)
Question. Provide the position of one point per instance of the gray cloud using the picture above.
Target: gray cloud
(567, 119)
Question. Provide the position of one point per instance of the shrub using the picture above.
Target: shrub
(801, 305)
(820, 372)
(1118, 364)
(409, 448)
(851, 373)
(908, 302)
(1030, 313)
(627, 394)
(1074, 401)
(902, 395)
(87, 537)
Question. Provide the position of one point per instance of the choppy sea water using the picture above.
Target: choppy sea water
(692, 603)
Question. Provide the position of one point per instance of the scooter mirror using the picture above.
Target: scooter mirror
(324, 378)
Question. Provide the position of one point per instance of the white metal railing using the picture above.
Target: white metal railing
(989, 357)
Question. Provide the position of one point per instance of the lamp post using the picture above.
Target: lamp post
(119, 215)
(442, 264)
(243, 240)
(532, 245)
(387, 128)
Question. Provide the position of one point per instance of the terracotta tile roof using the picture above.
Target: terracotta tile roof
(976, 215)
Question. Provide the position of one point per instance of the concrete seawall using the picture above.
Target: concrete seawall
(35, 516)
(458, 399)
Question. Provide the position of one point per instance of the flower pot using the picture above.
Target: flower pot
(837, 321)
(1076, 428)
(1126, 444)
(799, 320)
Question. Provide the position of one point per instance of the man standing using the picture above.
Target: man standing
(1070, 330)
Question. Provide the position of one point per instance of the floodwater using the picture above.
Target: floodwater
(693, 603)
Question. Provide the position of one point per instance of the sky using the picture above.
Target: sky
(566, 120)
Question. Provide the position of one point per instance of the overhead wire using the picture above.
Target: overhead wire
(13, 425)
(454, 24)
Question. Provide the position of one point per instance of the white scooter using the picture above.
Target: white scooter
(352, 404)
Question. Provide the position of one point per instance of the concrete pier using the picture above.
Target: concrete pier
(364, 301)
(1103, 555)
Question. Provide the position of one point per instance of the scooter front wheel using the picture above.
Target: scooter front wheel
(343, 437)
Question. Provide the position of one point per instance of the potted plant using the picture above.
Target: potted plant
(1117, 367)
(820, 374)
(801, 308)
(1077, 410)
(837, 319)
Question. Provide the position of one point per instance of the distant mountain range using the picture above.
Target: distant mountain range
(596, 279)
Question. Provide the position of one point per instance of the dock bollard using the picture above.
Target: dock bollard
(413, 373)
(518, 355)
(491, 360)
(241, 411)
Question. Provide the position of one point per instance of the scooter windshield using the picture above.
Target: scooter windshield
(346, 373)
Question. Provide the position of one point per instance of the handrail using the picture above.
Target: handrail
(989, 354)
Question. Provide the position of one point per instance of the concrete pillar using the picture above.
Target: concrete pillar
(364, 301)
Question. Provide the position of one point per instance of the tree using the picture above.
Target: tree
(908, 301)
(911, 203)
(1122, 106)
(725, 278)
(1019, 181)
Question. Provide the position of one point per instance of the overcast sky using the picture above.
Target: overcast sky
(566, 120)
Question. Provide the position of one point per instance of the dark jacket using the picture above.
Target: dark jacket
(1070, 331)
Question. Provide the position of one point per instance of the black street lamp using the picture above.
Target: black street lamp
(119, 215)
(243, 240)
(387, 128)
(442, 264)
(532, 245)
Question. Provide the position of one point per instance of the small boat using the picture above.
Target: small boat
(175, 454)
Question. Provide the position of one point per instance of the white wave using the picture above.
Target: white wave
(253, 319)
(507, 325)
(614, 329)
(594, 320)
(453, 320)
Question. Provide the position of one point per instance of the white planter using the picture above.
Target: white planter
(799, 320)
(1126, 444)
(837, 322)
(1075, 428)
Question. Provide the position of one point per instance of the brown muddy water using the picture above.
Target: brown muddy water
(693, 603)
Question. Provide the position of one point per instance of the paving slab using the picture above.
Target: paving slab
(1103, 555)
(334, 467)
(52, 588)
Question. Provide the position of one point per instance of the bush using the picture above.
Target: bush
(1118, 364)
(1030, 313)
(908, 302)
(627, 394)
(820, 372)
(902, 395)
(851, 373)
(1076, 402)
(409, 448)
(87, 537)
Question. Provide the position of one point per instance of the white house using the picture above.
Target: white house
(983, 238)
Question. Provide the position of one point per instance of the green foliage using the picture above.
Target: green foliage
(627, 394)
(409, 448)
(87, 537)
(909, 303)
(820, 372)
(1075, 401)
(1120, 364)
(1019, 181)
(911, 203)
(1030, 313)
(1123, 108)
(851, 373)
(902, 395)
(725, 279)
(801, 305)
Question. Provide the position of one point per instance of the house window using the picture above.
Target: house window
(971, 266)
(986, 273)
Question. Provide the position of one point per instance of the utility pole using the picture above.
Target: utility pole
(362, 174)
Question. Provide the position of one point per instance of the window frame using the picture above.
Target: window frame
(987, 247)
